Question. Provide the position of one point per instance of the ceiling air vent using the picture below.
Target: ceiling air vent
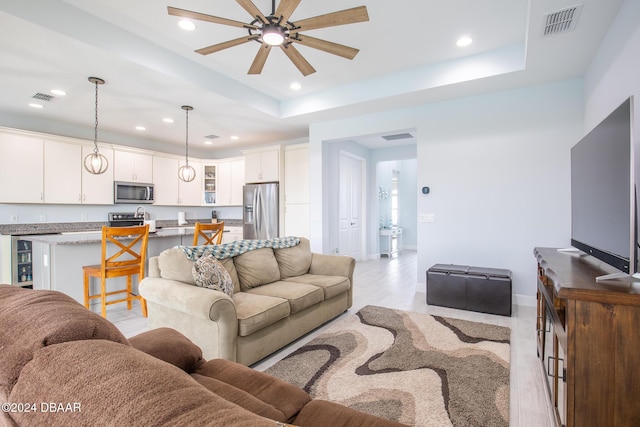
(44, 97)
(561, 21)
(397, 136)
(211, 137)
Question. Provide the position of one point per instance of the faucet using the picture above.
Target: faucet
(144, 213)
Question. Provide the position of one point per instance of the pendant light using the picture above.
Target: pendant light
(187, 173)
(95, 163)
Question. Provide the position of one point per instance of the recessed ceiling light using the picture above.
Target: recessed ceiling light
(464, 41)
(167, 120)
(207, 142)
(187, 25)
(295, 86)
(141, 128)
(234, 137)
(59, 92)
(34, 105)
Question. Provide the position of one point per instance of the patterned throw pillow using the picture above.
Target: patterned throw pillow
(209, 273)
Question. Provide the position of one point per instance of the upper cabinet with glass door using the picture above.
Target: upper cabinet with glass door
(210, 184)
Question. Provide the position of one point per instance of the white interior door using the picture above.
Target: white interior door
(350, 209)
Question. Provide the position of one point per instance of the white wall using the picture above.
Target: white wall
(612, 76)
(498, 168)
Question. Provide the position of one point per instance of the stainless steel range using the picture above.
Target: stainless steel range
(126, 219)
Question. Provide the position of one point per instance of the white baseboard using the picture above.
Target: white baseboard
(524, 300)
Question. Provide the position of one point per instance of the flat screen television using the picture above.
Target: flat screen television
(603, 206)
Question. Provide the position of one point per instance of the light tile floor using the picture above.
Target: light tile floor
(392, 282)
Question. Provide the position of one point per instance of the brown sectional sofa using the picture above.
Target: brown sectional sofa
(62, 365)
(279, 295)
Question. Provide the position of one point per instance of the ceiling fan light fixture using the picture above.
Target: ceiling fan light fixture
(273, 35)
(187, 25)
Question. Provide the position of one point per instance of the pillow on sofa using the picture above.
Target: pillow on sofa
(209, 273)
(294, 261)
(257, 267)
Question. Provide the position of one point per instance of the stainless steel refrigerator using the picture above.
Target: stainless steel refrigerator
(260, 211)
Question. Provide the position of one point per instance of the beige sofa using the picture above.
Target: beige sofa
(279, 295)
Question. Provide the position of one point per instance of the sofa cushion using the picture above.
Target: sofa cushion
(255, 312)
(294, 261)
(32, 319)
(332, 285)
(171, 346)
(256, 267)
(286, 398)
(174, 265)
(209, 273)
(299, 295)
(120, 386)
(239, 397)
(321, 413)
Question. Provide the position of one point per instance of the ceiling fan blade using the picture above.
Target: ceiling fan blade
(209, 18)
(297, 59)
(252, 9)
(260, 59)
(327, 46)
(342, 17)
(220, 46)
(286, 8)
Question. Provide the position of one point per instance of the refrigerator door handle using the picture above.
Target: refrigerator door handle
(260, 217)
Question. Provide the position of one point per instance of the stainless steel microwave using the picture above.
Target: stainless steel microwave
(132, 192)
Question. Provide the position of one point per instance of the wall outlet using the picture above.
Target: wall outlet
(13, 218)
(43, 218)
(84, 217)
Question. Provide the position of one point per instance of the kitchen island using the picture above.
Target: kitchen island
(58, 258)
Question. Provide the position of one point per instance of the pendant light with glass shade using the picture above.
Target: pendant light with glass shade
(95, 163)
(187, 173)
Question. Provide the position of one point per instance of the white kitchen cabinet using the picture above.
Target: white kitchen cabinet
(296, 190)
(230, 180)
(296, 173)
(165, 181)
(21, 168)
(130, 166)
(62, 172)
(169, 190)
(190, 193)
(231, 234)
(97, 189)
(66, 181)
(210, 183)
(262, 165)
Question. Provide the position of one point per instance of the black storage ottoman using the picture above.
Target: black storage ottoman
(486, 290)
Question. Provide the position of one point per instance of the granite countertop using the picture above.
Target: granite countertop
(90, 232)
(83, 237)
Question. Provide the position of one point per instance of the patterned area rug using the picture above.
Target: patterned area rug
(413, 368)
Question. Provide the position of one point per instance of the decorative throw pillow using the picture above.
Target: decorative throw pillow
(208, 272)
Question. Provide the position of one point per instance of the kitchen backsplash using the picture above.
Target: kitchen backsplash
(15, 214)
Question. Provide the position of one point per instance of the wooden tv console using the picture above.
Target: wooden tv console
(588, 336)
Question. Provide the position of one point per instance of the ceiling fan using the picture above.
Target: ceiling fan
(276, 30)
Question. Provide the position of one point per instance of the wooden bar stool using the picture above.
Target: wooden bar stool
(215, 236)
(124, 256)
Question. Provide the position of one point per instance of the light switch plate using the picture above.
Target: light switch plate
(427, 217)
